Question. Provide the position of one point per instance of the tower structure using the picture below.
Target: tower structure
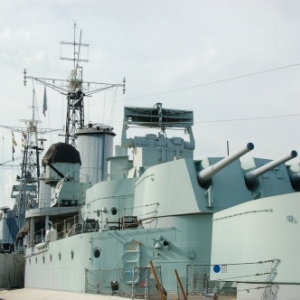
(75, 89)
(25, 191)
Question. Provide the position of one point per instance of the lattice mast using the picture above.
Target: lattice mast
(75, 89)
(30, 166)
(75, 106)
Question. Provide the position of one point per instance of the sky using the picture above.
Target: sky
(236, 64)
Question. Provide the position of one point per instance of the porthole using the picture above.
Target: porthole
(36, 260)
(114, 211)
(43, 259)
(50, 257)
(97, 253)
(59, 256)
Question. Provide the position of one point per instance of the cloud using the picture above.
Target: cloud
(23, 34)
(16, 36)
(174, 70)
(6, 33)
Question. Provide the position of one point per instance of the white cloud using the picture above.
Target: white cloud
(34, 58)
(6, 33)
(173, 70)
(23, 34)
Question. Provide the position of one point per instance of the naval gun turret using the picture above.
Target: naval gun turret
(251, 177)
(206, 174)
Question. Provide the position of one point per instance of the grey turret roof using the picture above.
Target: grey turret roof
(61, 152)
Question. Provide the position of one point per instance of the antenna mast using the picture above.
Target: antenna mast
(74, 90)
(75, 96)
(26, 192)
(30, 167)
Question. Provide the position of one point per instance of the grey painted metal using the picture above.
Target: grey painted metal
(11, 271)
(270, 223)
(158, 117)
(190, 145)
(44, 194)
(252, 175)
(210, 171)
(95, 144)
(294, 173)
(295, 181)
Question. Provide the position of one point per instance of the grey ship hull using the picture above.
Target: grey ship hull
(12, 270)
(190, 239)
(118, 251)
(11, 263)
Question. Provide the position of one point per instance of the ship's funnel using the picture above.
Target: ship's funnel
(252, 175)
(210, 171)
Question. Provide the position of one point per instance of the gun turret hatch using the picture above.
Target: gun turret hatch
(251, 176)
(206, 174)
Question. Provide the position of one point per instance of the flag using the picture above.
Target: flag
(45, 102)
(14, 143)
(23, 139)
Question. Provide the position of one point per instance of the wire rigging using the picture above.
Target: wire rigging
(210, 83)
(249, 119)
(113, 107)
(229, 120)
(221, 81)
(218, 81)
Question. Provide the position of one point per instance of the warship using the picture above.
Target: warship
(145, 219)
(11, 262)
(24, 194)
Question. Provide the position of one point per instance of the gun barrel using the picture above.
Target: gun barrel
(207, 173)
(251, 175)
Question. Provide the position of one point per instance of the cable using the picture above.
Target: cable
(226, 120)
(249, 119)
(210, 83)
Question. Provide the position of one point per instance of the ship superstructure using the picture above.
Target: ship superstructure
(165, 207)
